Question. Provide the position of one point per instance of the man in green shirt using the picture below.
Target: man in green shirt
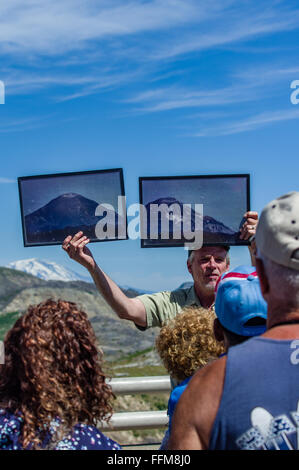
(205, 265)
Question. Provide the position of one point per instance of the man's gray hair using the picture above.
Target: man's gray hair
(283, 281)
(225, 247)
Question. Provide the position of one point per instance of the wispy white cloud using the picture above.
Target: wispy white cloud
(6, 181)
(247, 85)
(269, 73)
(234, 26)
(72, 85)
(50, 39)
(235, 32)
(22, 124)
(97, 84)
(57, 26)
(54, 27)
(249, 124)
(20, 82)
(165, 99)
(83, 47)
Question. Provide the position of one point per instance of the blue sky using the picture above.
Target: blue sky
(157, 87)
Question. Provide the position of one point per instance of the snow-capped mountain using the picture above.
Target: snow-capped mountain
(47, 270)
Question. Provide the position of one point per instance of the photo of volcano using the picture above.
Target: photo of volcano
(224, 200)
(55, 206)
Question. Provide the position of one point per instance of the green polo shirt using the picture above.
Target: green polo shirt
(164, 306)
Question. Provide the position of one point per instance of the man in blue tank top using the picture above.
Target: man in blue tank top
(249, 399)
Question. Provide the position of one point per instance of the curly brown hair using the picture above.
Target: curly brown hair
(53, 369)
(187, 343)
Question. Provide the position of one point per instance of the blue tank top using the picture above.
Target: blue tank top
(259, 407)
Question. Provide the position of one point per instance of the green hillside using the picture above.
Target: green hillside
(117, 338)
(13, 281)
(7, 320)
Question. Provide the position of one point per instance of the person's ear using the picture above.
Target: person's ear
(264, 283)
(189, 266)
(227, 265)
(218, 331)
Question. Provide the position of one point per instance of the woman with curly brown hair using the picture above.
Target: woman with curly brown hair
(186, 344)
(52, 387)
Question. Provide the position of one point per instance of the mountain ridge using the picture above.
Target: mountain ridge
(19, 290)
(47, 270)
(51, 271)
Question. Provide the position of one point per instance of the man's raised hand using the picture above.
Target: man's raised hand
(77, 250)
(248, 229)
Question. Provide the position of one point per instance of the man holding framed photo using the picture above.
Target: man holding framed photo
(205, 265)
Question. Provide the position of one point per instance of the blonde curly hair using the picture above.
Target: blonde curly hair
(187, 343)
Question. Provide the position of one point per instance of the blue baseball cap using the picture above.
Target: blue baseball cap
(238, 300)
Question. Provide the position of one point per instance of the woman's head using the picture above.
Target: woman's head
(53, 369)
(187, 343)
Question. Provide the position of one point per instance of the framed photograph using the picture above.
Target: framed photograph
(175, 206)
(55, 206)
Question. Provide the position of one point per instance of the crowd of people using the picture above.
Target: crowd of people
(229, 343)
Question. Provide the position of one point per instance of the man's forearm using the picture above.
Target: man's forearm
(124, 307)
(252, 252)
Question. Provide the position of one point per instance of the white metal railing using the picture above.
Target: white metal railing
(138, 419)
(130, 385)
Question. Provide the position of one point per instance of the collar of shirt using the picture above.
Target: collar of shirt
(193, 299)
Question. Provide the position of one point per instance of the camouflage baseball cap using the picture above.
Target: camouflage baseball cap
(277, 234)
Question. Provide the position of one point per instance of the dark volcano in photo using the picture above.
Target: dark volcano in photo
(214, 231)
(65, 215)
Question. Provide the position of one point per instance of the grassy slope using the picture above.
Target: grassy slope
(7, 320)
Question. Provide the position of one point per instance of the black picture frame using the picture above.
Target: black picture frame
(50, 212)
(186, 181)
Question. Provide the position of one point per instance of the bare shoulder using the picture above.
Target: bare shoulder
(198, 406)
(137, 312)
(209, 375)
(206, 386)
